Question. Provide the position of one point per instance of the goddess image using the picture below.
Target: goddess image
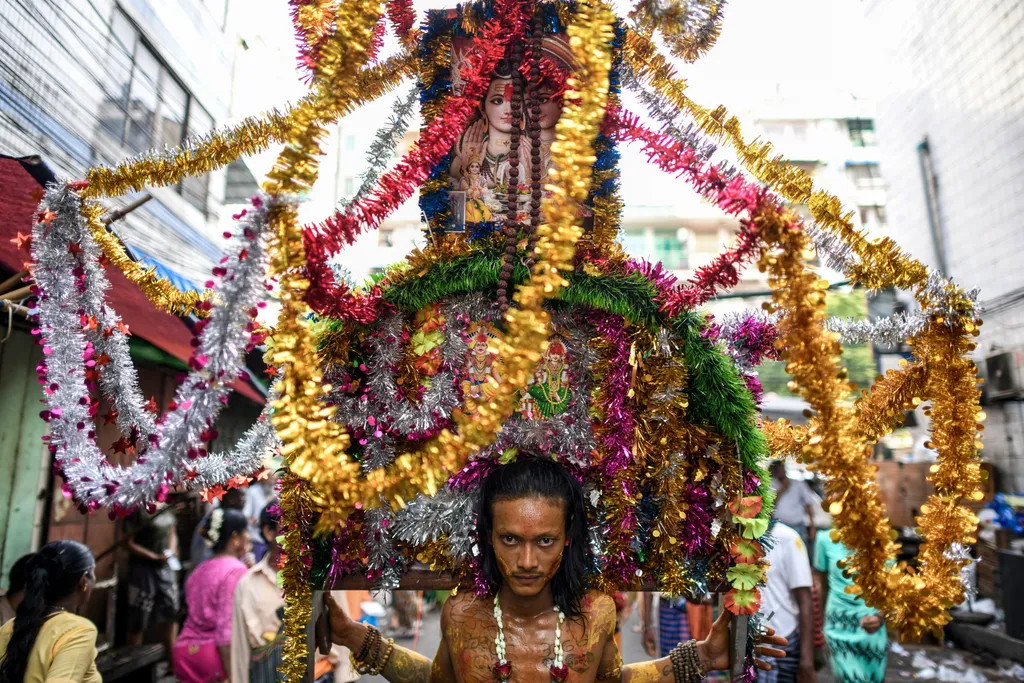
(480, 162)
(549, 390)
(480, 364)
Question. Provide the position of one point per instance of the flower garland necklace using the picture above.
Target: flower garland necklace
(503, 669)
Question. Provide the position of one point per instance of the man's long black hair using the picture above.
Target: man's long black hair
(532, 477)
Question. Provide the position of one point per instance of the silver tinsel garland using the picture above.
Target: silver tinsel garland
(695, 20)
(663, 111)
(382, 149)
(62, 248)
(449, 514)
(117, 377)
(891, 331)
(257, 444)
(384, 563)
(380, 412)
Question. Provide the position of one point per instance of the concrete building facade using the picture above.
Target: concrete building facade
(831, 136)
(90, 82)
(951, 138)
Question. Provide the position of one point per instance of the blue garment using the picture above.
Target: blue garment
(856, 655)
(783, 669)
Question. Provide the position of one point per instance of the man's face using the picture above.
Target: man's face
(528, 537)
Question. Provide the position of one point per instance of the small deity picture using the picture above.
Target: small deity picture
(482, 375)
(480, 164)
(548, 393)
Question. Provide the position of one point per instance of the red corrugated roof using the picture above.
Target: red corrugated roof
(19, 197)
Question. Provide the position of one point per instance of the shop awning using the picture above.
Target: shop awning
(20, 193)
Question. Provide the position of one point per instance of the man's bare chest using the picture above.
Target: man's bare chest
(530, 652)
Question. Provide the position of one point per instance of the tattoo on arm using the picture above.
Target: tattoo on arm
(656, 671)
(406, 666)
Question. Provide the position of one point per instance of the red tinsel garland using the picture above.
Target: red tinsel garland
(734, 197)
(398, 184)
(311, 35)
(402, 16)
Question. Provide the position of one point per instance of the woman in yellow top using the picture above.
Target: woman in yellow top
(46, 641)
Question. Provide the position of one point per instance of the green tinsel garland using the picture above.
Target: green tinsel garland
(630, 296)
(719, 397)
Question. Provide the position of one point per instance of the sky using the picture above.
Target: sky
(804, 44)
(805, 47)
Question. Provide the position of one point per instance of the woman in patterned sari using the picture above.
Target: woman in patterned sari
(854, 633)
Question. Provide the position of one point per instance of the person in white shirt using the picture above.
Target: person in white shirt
(257, 495)
(794, 502)
(786, 602)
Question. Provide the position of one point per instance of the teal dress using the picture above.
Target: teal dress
(856, 655)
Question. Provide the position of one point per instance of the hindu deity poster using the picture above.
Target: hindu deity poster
(479, 188)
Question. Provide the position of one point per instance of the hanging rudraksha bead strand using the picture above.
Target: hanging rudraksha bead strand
(534, 131)
(511, 229)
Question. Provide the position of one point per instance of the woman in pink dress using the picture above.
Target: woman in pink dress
(202, 653)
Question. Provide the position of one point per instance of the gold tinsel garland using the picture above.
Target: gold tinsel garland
(839, 435)
(670, 18)
(158, 290)
(301, 417)
(881, 409)
(250, 136)
(784, 438)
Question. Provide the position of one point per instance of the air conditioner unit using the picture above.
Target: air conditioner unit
(1004, 375)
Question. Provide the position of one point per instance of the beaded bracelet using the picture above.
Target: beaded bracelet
(686, 665)
(369, 652)
(383, 661)
(364, 649)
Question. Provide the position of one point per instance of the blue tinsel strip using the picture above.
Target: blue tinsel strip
(434, 205)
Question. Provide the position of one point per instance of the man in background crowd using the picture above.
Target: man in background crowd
(794, 502)
(257, 638)
(152, 580)
(786, 598)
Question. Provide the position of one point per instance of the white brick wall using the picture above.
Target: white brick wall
(954, 73)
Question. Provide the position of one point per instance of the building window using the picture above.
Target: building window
(634, 243)
(350, 143)
(862, 132)
(864, 176)
(667, 246)
(672, 248)
(149, 107)
(350, 187)
(705, 243)
(872, 215)
(385, 237)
